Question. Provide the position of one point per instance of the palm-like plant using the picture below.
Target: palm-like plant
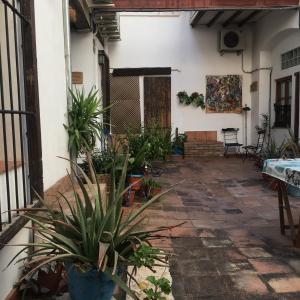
(94, 234)
(84, 124)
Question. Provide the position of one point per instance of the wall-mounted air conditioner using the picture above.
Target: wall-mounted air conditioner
(231, 41)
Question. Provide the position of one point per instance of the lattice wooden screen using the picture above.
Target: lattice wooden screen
(125, 100)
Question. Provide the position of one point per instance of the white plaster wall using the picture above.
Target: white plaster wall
(275, 34)
(11, 275)
(288, 43)
(170, 41)
(52, 88)
(84, 58)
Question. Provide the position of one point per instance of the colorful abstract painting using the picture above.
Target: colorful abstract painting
(224, 94)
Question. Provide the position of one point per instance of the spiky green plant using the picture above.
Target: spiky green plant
(93, 234)
(84, 123)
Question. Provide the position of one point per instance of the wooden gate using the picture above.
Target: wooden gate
(157, 101)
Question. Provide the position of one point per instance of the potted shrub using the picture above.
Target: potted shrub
(151, 188)
(92, 237)
(178, 144)
(102, 162)
(84, 125)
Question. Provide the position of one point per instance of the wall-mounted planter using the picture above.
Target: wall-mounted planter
(196, 99)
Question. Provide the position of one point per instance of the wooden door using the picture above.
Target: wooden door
(157, 101)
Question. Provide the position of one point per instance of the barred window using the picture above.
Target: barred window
(283, 102)
(290, 59)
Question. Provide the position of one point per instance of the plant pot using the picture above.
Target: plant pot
(90, 285)
(50, 280)
(155, 191)
(129, 198)
(135, 180)
(178, 150)
(104, 178)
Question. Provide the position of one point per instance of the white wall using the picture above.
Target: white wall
(273, 35)
(52, 88)
(11, 275)
(291, 41)
(84, 58)
(170, 41)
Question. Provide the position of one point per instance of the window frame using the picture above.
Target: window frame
(287, 99)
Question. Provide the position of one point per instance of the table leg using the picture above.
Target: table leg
(280, 206)
(288, 210)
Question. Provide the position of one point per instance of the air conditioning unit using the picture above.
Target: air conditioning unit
(231, 41)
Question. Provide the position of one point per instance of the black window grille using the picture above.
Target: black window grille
(282, 115)
(282, 106)
(14, 171)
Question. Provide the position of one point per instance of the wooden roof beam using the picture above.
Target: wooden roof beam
(152, 5)
(232, 18)
(248, 18)
(215, 18)
(196, 18)
(81, 19)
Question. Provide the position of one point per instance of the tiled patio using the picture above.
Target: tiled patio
(230, 246)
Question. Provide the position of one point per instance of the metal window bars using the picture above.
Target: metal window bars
(14, 175)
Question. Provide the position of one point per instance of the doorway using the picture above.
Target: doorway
(157, 101)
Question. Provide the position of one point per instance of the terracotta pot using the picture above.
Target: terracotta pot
(155, 191)
(135, 181)
(129, 198)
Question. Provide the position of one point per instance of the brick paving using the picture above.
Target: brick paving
(230, 246)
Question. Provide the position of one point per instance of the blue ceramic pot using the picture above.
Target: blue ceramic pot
(92, 285)
(178, 150)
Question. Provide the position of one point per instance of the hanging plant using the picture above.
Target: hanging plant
(183, 97)
(196, 99)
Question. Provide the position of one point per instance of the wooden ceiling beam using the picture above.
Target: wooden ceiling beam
(80, 15)
(249, 18)
(215, 18)
(150, 5)
(232, 18)
(197, 17)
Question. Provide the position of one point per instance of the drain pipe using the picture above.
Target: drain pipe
(67, 47)
(67, 53)
(270, 69)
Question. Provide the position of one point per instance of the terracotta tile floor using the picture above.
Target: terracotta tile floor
(230, 246)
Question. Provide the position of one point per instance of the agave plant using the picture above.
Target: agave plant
(92, 234)
(84, 124)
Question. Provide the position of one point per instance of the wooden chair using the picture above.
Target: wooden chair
(231, 140)
(255, 150)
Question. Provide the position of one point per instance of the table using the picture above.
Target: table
(286, 172)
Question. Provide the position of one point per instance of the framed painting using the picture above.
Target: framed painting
(224, 94)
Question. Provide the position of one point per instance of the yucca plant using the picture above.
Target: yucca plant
(84, 124)
(93, 234)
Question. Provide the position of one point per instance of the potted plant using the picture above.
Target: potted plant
(91, 236)
(84, 124)
(198, 100)
(102, 162)
(195, 98)
(151, 188)
(183, 97)
(178, 143)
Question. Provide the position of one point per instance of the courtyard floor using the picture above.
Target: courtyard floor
(230, 246)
